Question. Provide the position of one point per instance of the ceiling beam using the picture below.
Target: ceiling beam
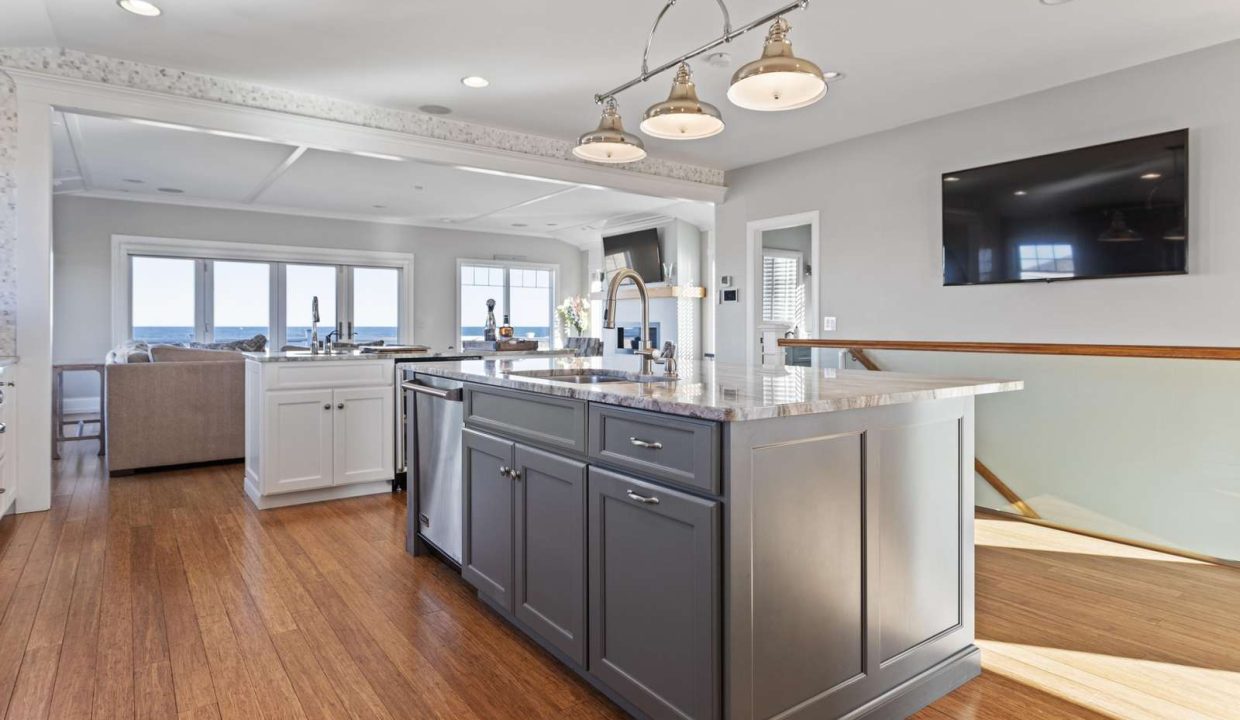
(523, 203)
(77, 147)
(275, 174)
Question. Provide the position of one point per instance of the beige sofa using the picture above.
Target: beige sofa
(174, 406)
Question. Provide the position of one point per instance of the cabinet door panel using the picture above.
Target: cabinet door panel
(364, 435)
(299, 440)
(550, 546)
(654, 595)
(487, 560)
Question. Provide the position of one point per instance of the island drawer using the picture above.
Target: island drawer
(674, 449)
(551, 422)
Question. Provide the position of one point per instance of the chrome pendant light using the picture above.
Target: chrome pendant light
(609, 143)
(682, 116)
(779, 80)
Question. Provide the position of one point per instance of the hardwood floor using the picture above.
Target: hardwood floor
(169, 596)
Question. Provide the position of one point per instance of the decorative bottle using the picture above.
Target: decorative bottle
(505, 330)
(488, 334)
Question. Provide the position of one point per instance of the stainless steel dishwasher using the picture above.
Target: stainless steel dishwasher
(435, 417)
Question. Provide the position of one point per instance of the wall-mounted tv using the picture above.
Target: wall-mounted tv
(637, 250)
(1113, 210)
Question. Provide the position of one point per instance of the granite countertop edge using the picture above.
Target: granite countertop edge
(630, 395)
(289, 357)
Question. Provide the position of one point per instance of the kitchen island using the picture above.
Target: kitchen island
(739, 542)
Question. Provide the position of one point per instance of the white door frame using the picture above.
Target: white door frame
(38, 95)
(753, 271)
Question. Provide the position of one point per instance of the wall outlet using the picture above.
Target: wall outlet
(828, 323)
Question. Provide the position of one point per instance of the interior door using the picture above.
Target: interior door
(364, 442)
(299, 440)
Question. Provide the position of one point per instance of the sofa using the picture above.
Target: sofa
(170, 405)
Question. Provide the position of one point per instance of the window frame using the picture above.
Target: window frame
(780, 253)
(506, 266)
(206, 252)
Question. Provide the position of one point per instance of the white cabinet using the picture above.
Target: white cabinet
(8, 456)
(363, 435)
(318, 430)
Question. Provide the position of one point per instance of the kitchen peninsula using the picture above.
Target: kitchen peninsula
(738, 542)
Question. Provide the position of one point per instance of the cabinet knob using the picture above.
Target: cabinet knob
(327, 406)
(340, 406)
(505, 471)
(642, 498)
(3, 428)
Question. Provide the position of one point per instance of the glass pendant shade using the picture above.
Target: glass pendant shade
(1119, 231)
(682, 116)
(609, 143)
(778, 80)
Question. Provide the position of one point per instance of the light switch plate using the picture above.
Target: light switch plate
(828, 323)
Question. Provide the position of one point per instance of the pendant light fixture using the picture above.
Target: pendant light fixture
(1119, 230)
(779, 80)
(609, 143)
(682, 116)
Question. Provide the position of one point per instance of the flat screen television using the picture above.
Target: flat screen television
(637, 250)
(1112, 210)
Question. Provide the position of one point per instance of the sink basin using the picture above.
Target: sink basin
(589, 377)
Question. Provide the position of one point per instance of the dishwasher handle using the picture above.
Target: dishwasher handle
(455, 395)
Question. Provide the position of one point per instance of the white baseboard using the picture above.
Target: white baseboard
(81, 405)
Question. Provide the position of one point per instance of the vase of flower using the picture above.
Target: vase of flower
(574, 315)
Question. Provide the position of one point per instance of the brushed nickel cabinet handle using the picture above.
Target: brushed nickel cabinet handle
(642, 498)
(645, 444)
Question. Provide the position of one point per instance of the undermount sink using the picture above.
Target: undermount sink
(589, 377)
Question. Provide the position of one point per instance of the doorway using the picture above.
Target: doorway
(783, 257)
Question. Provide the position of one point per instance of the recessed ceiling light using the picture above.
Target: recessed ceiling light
(552, 224)
(171, 190)
(833, 75)
(719, 59)
(140, 7)
(1056, 2)
(475, 81)
(435, 109)
(519, 225)
(1151, 176)
(1020, 193)
(951, 178)
(378, 207)
(135, 181)
(417, 187)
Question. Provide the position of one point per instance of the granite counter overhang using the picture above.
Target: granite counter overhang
(725, 392)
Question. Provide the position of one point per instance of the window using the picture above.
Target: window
(376, 299)
(240, 300)
(163, 300)
(1046, 261)
(526, 293)
(783, 292)
(303, 283)
(189, 296)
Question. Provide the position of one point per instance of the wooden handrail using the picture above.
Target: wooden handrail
(1172, 352)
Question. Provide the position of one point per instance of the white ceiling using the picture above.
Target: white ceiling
(906, 60)
(137, 160)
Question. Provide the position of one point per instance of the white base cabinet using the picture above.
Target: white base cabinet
(318, 430)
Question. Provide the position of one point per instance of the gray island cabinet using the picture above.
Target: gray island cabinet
(740, 543)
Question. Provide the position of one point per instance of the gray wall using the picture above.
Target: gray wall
(82, 246)
(879, 198)
(1143, 449)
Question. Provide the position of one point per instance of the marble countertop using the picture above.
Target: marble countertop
(427, 356)
(7, 360)
(725, 392)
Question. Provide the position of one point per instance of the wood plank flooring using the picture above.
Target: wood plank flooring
(168, 595)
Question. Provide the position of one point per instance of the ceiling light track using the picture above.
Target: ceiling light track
(778, 80)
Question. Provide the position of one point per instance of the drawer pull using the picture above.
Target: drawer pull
(645, 444)
(642, 498)
(3, 428)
